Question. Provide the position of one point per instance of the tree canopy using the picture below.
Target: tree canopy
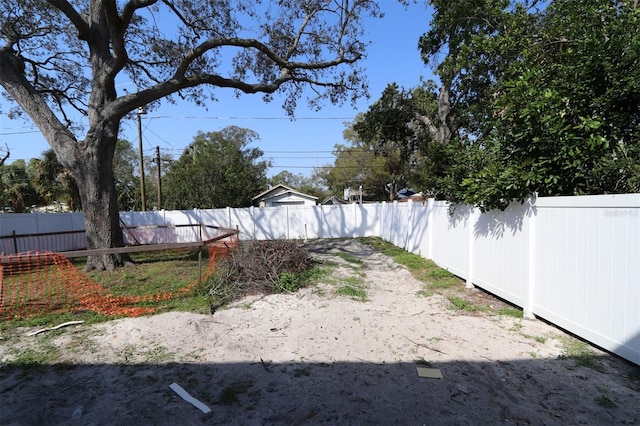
(534, 97)
(551, 97)
(218, 169)
(17, 193)
(60, 62)
(308, 185)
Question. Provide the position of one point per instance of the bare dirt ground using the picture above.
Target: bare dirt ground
(314, 357)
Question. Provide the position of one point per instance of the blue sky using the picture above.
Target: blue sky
(296, 146)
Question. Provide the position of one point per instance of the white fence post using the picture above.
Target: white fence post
(531, 262)
(472, 219)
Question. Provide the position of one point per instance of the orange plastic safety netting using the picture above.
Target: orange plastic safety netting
(46, 282)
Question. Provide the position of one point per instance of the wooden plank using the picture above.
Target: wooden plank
(15, 260)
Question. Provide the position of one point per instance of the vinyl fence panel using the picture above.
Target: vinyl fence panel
(451, 237)
(41, 223)
(588, 268)
(501, 248)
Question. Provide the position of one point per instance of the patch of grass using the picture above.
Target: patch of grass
(132, 356)
(349, 258)
(230, 394)
(458, 303)
(517, 326)
(194, 355)
(319, 272)
(604, 401)
(352, 292)
(581, 353)
(355, 281)
(154, 272)
(441, 273)
(40, 351)
(51, 319)
(412, 261)
(442, 284)
(128, 353)
(156, 355)
(424, 293)
(510, 312)
(33, 357)
(423, 362)
(302, 372)
(539, 339)
(353, 287)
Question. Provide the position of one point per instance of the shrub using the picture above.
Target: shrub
(259, 267)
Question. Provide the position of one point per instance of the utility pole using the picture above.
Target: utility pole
(141, 111)
(159, 179)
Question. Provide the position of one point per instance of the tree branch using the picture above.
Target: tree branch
(6, 156)
(76, 19)
(427, 121)
(20, 89)
(282, 63)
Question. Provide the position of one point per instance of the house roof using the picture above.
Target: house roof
(334, 200)
(278, 190)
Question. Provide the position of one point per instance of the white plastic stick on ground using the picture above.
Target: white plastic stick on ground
(64, 324)
(185, 395)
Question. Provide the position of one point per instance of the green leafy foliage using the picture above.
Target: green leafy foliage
(218, 169)
(44, 181)
(53, 182)
(16, 193)
(539, 98)
(570, 109)
(385, 131)
(356, 165)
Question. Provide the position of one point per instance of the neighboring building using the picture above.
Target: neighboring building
(358, 195)
(282, 195)
(333, 200)
(407, 194)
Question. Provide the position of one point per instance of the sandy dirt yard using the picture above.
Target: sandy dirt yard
(315, 357)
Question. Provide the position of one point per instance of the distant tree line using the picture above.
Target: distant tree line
(218, 169)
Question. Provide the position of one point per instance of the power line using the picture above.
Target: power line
(298, 152)
(216, 117)
(316, 167)
(19, 133)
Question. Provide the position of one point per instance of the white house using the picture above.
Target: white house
(282, 195)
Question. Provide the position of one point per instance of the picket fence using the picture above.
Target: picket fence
(573, 261)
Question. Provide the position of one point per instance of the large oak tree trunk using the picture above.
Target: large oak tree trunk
(99, 203)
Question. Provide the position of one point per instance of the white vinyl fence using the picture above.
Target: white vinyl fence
(573, 261)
